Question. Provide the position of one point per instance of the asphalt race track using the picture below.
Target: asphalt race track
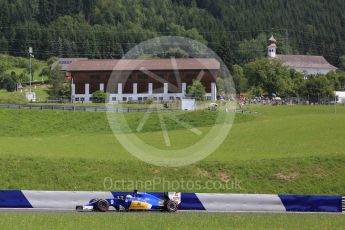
(112, 212)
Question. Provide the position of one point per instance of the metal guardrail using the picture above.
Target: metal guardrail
(78, 108)
(99, 109)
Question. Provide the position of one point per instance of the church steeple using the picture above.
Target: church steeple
(272, 47)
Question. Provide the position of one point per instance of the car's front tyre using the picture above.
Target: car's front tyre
(171, 206)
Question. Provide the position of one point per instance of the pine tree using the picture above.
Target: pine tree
(3, 45)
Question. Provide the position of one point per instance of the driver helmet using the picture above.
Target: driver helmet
(129, 196)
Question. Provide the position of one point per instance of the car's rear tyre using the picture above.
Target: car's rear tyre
(102, 205)
(170, 206)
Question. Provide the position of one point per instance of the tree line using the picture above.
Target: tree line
(269, 77)
(109, 28)
(236, 30)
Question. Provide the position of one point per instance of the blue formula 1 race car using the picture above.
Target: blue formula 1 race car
(135, 202)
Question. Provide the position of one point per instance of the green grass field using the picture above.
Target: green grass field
(278, 150)
(11, 97)
(171, 221)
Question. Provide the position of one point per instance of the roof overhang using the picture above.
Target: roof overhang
(145, 64)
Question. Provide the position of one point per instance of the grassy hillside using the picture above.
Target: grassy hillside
(11, 97)
(19, 97)
(278, 150)
(275, 132)
(304, 175)
(20, 65)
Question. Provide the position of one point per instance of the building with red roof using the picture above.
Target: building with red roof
(140, 79)
(306, 64)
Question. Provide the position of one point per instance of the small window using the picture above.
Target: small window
(172, 98)
(77, 99)
(113, 98)
(124, 99)
(140, 98)
(161, 98)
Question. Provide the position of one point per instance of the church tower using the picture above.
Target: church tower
(272, 47)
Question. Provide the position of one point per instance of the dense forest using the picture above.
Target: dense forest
(236, 29)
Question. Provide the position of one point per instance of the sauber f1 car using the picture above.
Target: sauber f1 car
(135, 202)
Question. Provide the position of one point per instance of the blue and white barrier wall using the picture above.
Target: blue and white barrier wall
(190, 201)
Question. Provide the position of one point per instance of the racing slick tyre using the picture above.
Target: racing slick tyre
(170, 206)
(102, 205)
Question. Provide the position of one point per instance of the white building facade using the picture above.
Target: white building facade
(306, 64)
(140, 80)
(340, 96)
